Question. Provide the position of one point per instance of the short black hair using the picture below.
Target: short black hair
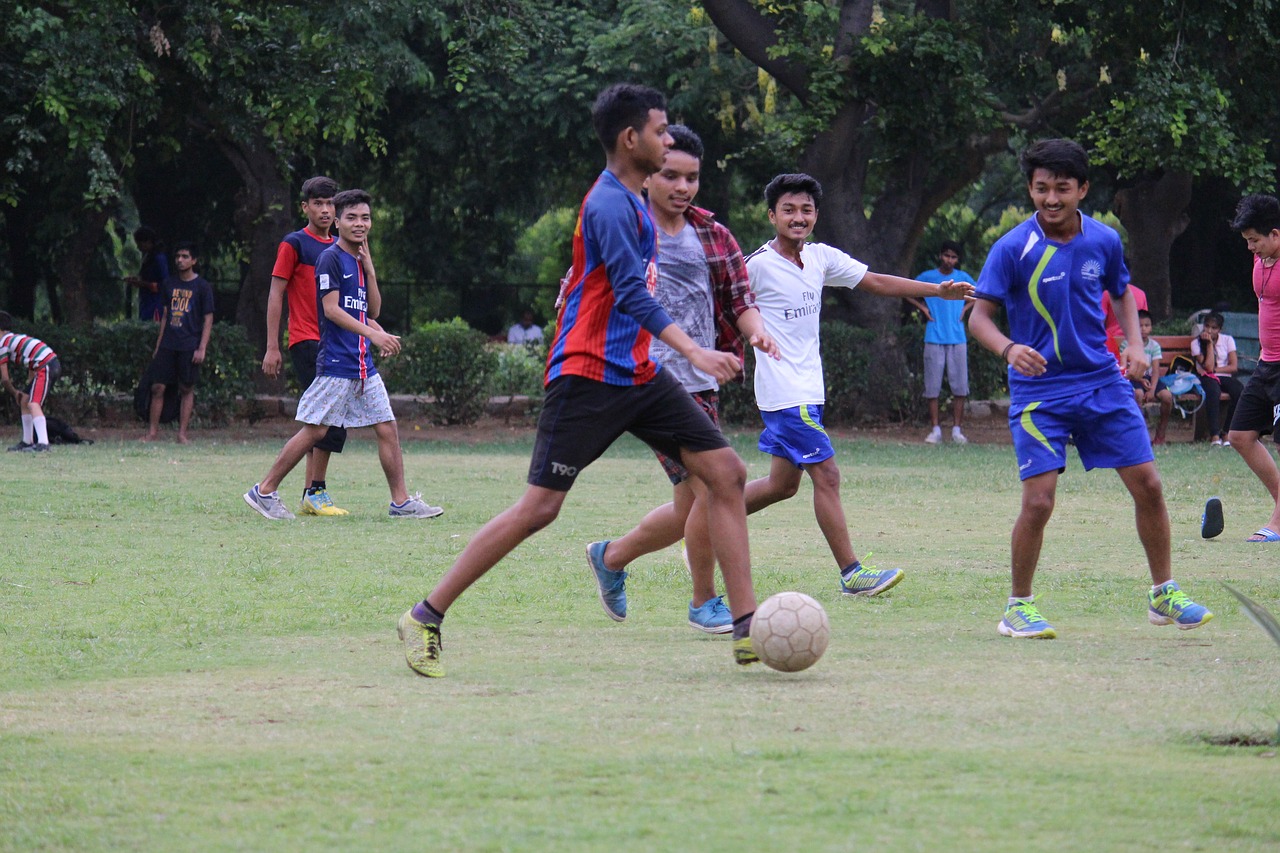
(1144, 314)
(1215, 318)
(953, 246)
(189, 245)
(145, 232)
(621, 106)
(687, 141)
(1062, 158)
(348, 198)
(792, 183)
(319, 187)
(1258, 211)
(6, 321)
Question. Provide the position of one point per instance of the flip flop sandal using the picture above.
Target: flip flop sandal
(1211, 523)
(1267, 534)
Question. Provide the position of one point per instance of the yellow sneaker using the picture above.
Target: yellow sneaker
(743, 654)
(319, 503)
(422, 646)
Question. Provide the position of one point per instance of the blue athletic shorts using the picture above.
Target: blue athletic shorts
(1106, 425)
(796, 434)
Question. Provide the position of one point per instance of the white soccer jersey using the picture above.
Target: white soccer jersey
(790, 301)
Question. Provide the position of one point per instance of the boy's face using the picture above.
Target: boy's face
(1144, 323)
(948, 260)
(1265, 246)
(319, 213)
(648, 146)
(673, 187)
(354, 223)
(794, 216)
(183, 260)
(1056, 198)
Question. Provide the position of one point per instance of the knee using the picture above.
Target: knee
(535, 515)
(728, 474)
(1242, 441)
(1038, 506)
(826, 478)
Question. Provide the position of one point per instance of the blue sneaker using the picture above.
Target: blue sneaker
(1170, 606)
(1024, 620)
(612, 585)
(870, 581)
(713, 616)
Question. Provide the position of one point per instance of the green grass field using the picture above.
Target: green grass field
(177, 673)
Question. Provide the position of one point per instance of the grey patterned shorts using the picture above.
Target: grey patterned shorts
(334, 401)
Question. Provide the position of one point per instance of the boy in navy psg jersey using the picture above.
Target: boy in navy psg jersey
(601, 383)
(294, 277)
(1050, 273)
(347, 391)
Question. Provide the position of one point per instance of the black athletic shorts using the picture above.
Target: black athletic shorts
(175, 367)
(582, 417)
(1258, 409)
(303, 356)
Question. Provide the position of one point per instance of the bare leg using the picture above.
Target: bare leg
(390, 457)
(829, 511)
(933, 411)
(725, 475)
(698, 548)
(1028, 531)
(781, 484)
(290, 455)
(1165, 396)
(536, 509)
(186, 404)
(1255, 454)
(157, 409)
(661, 528)
(317, 465)
(957, 410)
(1143, 482)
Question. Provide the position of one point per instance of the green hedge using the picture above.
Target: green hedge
(450, 362)
(103, 362)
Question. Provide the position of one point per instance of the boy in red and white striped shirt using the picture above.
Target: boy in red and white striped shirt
(43, 370)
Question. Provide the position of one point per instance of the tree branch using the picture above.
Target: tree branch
(753, 34)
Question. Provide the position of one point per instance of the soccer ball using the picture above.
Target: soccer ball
(790, 631)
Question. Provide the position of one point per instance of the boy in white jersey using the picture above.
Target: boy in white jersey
(787, 276)
(1049, 274)
(1258, 413)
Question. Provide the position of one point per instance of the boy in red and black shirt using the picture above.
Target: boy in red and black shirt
(43, 370)
(294, 277)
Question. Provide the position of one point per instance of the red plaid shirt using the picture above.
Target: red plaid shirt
(730, 286)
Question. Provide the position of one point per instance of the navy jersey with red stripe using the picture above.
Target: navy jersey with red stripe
(342, 353)
(609, 314)
(296, 264)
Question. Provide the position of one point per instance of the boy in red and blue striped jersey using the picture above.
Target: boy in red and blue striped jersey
(43, 370)
(600, 383)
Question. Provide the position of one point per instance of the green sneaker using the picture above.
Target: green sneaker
(868, 581)
(1024, 620)
(422, 646)
(743, 654)
(1171, 606)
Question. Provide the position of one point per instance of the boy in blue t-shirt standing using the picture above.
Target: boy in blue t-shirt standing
(1050, 273)
(946, 349)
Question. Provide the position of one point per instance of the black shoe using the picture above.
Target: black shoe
(19, 447)
(1211, 523)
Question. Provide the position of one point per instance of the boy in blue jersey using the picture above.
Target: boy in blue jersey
(946, 349)
(347, 391)
(600, 383)
(1049, 274)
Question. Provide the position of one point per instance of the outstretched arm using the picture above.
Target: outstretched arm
(883, 284)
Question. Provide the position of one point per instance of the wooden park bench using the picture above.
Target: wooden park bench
(1172, 346)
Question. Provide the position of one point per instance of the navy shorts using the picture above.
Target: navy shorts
(1106, 425)
(175, 367)
(796, 434)
(303, 357)
(581, 418)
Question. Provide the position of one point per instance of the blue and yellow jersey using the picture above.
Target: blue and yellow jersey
(1052, 294)
(609, 315)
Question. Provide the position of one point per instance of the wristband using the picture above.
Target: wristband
(1005, 354)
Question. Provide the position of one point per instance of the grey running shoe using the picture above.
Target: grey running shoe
(19, 447)
(415, 507)
(270, 506)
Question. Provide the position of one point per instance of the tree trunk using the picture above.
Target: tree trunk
(1154, 212)
(261, 219)
(23, 262)
(73, 268)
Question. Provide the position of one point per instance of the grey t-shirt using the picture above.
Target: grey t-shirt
(684, 290)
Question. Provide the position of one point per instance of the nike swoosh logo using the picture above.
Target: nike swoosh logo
(348, 275)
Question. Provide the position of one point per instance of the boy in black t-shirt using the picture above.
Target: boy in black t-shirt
(185, 326)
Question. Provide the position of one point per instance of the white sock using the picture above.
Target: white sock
(936, 430)
(26, 429)
(1156, 587)
(1015, 600)
(41, 429)
(955, 430)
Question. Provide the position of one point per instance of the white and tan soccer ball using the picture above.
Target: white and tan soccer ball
(790, 631)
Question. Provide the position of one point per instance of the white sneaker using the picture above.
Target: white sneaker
(934, 437)
(957, 437)
(415, 507)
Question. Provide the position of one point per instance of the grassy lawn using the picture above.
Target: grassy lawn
(177, 673)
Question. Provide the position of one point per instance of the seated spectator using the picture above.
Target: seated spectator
(1147, 389)
(525, 332)
(1215, 353)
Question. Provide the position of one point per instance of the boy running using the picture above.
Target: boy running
(294, 277)
(1049, 274)
(43, 369)
(787, 277)
(1258, 413)
(348, 391)
(601, 382)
